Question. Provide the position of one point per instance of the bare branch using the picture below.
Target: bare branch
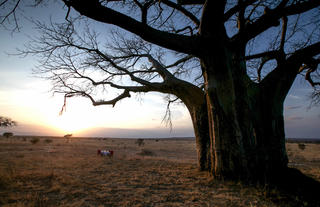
(112, 102)
(182, 60)
(167, 119)
(7, 122)
(312, 64)
(284, 31)
(12, 13)
(237, 8)
(271, 18)
(190, 2)
(178, 7)
(268, 54)
(96, 11)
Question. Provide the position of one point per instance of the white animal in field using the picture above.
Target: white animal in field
(108, 153)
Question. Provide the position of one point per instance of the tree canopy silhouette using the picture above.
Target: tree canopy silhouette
(7, 122)
(231, 63)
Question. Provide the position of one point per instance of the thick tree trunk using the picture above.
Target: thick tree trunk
(199, 117)
(269, 130)
(195, 100)
(246, 125)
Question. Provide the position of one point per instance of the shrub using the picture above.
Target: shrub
(7, 122)
(47, 141)
(301, 146)
(8, 134)
(67, 136)
(140, 142)
(35, 140)
(6, 181)
(145, 152)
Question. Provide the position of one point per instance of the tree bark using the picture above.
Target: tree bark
(246, 125)
(195, 100)
(199, 117)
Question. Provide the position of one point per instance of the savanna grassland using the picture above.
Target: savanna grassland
(51, 171)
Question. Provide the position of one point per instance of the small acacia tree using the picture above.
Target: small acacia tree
(7, 134)
(242, 56)
(7, 122)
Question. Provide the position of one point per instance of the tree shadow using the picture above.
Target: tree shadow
(295, 189)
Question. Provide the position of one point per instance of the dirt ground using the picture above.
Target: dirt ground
(51, 171)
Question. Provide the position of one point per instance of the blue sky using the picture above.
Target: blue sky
(28, 100)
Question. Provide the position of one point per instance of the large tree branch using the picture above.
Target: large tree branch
(268, 54)
(165, 74)
(281, 78)
(182, 60)
(304, 54)
(12, 12)
(212, 21)
(312, 65)
(271, 18)
(237, 8)
(190, 2)
(95, 11)
(284, 32)
(112, 102)
(182, 10)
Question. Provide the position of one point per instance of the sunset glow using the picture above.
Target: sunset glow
(29, 100)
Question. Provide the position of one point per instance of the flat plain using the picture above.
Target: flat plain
(54, 171)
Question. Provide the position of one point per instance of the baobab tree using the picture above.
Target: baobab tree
(242, 57)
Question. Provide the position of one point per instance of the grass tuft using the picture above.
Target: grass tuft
(48, 141)
(146, 152)
(302, 146)
(34, 140)
(6, 181)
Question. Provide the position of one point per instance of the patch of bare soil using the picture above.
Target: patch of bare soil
(157, 173)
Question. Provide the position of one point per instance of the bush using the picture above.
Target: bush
(7, 122)
(67, 136)
(302, 146)
(140, 142)
(145, 152)
(47, 141)
(8, 134)
(5, 181)
(35, 140)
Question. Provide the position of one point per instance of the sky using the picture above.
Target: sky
(28, 100)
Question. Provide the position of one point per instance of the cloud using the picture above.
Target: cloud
(294, 118)
(137, 133)
(293, 107)
(294, 97)
(32, 129)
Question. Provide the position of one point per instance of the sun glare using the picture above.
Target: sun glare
(69, 124)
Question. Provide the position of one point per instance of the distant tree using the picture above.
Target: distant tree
(34, 140)
(302, 146)
(8, 134)
(7, 122)
(67, 136)
(242, 57)
(140, 142)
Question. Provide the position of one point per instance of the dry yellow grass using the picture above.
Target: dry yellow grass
(159, 173)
